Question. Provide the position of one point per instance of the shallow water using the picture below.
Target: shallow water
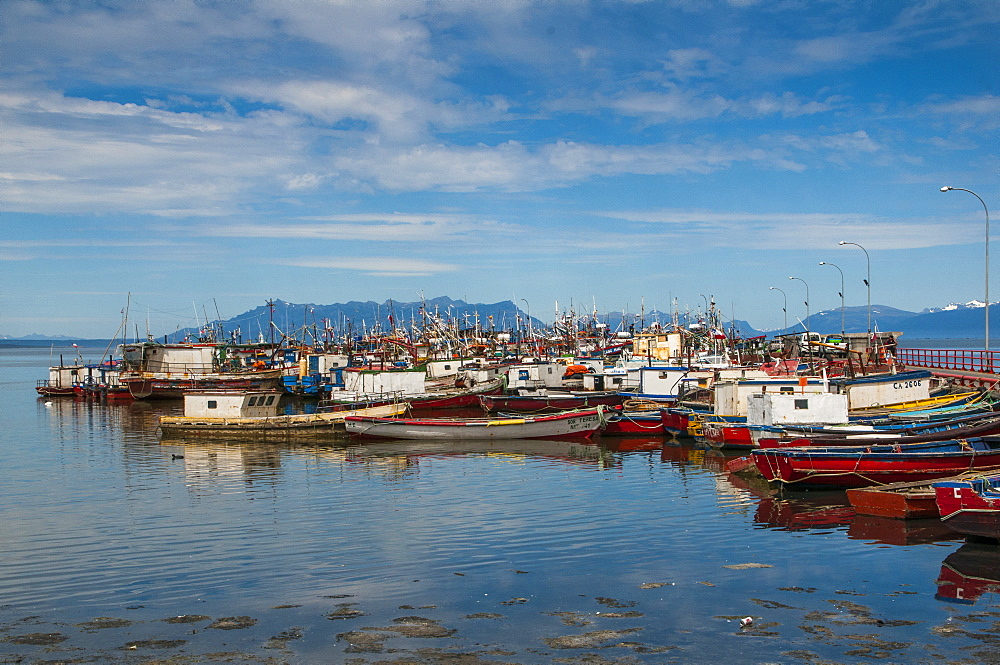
(624, 550)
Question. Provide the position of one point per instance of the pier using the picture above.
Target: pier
(972, 368)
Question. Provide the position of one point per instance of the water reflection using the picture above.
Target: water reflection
(969, 572)
(891, 531)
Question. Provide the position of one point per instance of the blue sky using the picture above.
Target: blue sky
(208, 156)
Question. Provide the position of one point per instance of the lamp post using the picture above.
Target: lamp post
(706, 303)
(987, 267)
(808, 335)
(827, 263)
(868, 283)
(785, 307)
(531, 334)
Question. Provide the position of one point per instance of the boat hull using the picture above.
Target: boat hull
(900, 501)
(548, 403)
(970, 507)
(865, 466)
(174, 387)
(580, 424)
(627, 423)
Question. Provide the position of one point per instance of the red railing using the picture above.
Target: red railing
(963, 360)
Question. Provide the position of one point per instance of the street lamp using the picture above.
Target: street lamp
(706, 303)
(785, 307)
(531, 334)
(868, 283)
(987, 270)
(826, 263)
(808, 335)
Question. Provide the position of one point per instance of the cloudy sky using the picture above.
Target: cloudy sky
(208, 156)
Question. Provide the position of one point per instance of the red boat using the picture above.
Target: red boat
(676, 419)
(970, 506)
(848, 466)
(550, 402)
(634, 422)
(899, 500)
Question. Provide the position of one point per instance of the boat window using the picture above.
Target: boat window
(252, 402)
(522, 375)
(212, 404)
(787, 389)
(801, 404)
(447, 366)
(270, 400)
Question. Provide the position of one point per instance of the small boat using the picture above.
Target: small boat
(548, 402)
(272, 426)
(626, 423)
(899, 500)
(861, 466)
(970, 506)
(576, 424)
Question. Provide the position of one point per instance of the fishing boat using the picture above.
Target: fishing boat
(787, 420)
(547, 402)
(256, 414)
(860, 466)
(451, 398)
(62, 378)
(576, 424)
(970, 506)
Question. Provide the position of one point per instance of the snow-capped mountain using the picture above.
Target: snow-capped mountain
(972, 304)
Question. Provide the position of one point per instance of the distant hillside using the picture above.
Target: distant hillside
(955, 321)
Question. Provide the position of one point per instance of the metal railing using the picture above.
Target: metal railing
(965, 360)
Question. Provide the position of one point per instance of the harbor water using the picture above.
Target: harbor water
(117, 547)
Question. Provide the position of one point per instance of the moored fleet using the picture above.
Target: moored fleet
(812, 412)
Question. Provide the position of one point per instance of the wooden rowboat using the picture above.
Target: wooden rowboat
(576, 424)
(970, 506)
(900, 500)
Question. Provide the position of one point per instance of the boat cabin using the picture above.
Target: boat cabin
(882, 389)
(793, 408)
(654, 383)
(535, 375)
(231, 403)
(376, 382)
(732, 396)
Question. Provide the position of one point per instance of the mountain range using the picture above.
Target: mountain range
(953, 321)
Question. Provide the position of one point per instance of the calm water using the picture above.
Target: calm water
(627, 551)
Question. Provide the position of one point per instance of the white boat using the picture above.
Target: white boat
(255, 414)
(576, 424)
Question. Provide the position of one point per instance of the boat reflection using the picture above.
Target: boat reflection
(626, 444)
(822, 511)
(818, 510)
(969, 572)
(892, 531)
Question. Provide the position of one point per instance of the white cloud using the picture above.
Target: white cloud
(384, 266)
(794, 231)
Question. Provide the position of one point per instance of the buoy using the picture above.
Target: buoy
(746, 621)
